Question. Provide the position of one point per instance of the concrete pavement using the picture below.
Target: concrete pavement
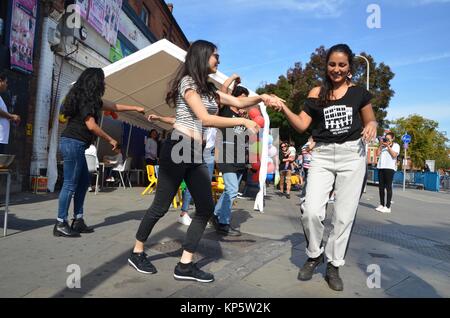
(411, 247)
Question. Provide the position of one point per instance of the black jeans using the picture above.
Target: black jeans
(170, 176)
(386, 177)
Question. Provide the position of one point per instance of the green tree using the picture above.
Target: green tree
(299, 80)
(427, 142)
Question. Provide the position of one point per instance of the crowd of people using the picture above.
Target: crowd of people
(331, 165)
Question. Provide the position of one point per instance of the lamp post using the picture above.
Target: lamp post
(368, 68)
(367, 145)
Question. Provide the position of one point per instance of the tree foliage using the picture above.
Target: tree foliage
(427, 142)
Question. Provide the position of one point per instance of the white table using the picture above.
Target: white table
(8, 186)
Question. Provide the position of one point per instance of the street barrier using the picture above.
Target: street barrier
(430, 181)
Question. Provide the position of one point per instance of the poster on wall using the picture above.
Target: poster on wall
(23, 28)
(96, 16)
(119, 52)
(83, 6)
(112, 16)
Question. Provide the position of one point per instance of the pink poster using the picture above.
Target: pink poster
(112, 17)
(23, 28)
(83, 6)
(96, 17)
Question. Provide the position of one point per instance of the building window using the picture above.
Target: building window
(145, 14)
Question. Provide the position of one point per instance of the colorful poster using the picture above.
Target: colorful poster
(112, 17)
(23, 28)
(83, 7)
(119, 52)
(96, 17)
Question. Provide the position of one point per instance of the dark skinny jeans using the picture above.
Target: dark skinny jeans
(170, 176)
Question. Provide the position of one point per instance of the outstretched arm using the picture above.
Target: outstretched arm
(166, 120)
(110, 106)
(244, 102)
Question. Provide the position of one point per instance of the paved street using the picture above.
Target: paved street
(411, 246)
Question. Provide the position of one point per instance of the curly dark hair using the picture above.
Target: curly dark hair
(196, 65)
(88, 90)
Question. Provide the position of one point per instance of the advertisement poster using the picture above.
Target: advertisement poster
(96, 17)
(112, 17)
(119, 52)
(83, 6)
(23, 28)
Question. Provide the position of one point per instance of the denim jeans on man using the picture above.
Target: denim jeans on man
(225, 203)
(209, 160)
(76, 178)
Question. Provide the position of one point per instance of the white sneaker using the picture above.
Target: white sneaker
(386, 210)
(185, 219)
(380, 208)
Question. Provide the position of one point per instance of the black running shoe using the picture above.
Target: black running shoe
(192, 272)
(140, 263)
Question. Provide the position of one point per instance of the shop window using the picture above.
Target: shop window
(145, 14)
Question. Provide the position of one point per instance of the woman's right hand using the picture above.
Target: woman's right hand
(115, 145)
(251, 126)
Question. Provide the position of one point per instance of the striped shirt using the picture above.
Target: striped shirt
(185, 117)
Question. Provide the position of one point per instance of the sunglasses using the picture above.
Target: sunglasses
(217, 56)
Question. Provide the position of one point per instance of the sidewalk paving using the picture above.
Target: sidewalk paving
(411, 246)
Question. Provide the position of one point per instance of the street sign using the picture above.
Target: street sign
(405, 146)
(406, 139)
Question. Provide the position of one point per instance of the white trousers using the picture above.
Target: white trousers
(344, 166)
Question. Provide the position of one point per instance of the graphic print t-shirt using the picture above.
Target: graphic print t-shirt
(340, 121)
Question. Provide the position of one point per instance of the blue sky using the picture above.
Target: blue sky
(261, 39)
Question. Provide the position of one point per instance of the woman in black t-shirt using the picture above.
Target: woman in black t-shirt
(82, 106)
(342, 119)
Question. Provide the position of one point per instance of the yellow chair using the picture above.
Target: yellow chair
(177, 199)
(295, 180)
(152, 179)
(217, 187)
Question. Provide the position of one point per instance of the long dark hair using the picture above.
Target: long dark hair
(327, 85)
(88, 90)
(196, 66)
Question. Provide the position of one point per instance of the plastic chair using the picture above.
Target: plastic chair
(178, 199)
(124, 169)
(151, 178)
(91, 161)
(217, 187)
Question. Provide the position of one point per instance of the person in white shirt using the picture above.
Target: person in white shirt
(5, 116)
(387, 165)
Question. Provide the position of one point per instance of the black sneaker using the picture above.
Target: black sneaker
(62, 229)
(307, 271)
(192, 272)
(141, 263)
(333, 279)
(227, 230)
(78, 225)
(288, 196)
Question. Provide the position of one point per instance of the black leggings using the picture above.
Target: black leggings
(386, 177)
(170, 176)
